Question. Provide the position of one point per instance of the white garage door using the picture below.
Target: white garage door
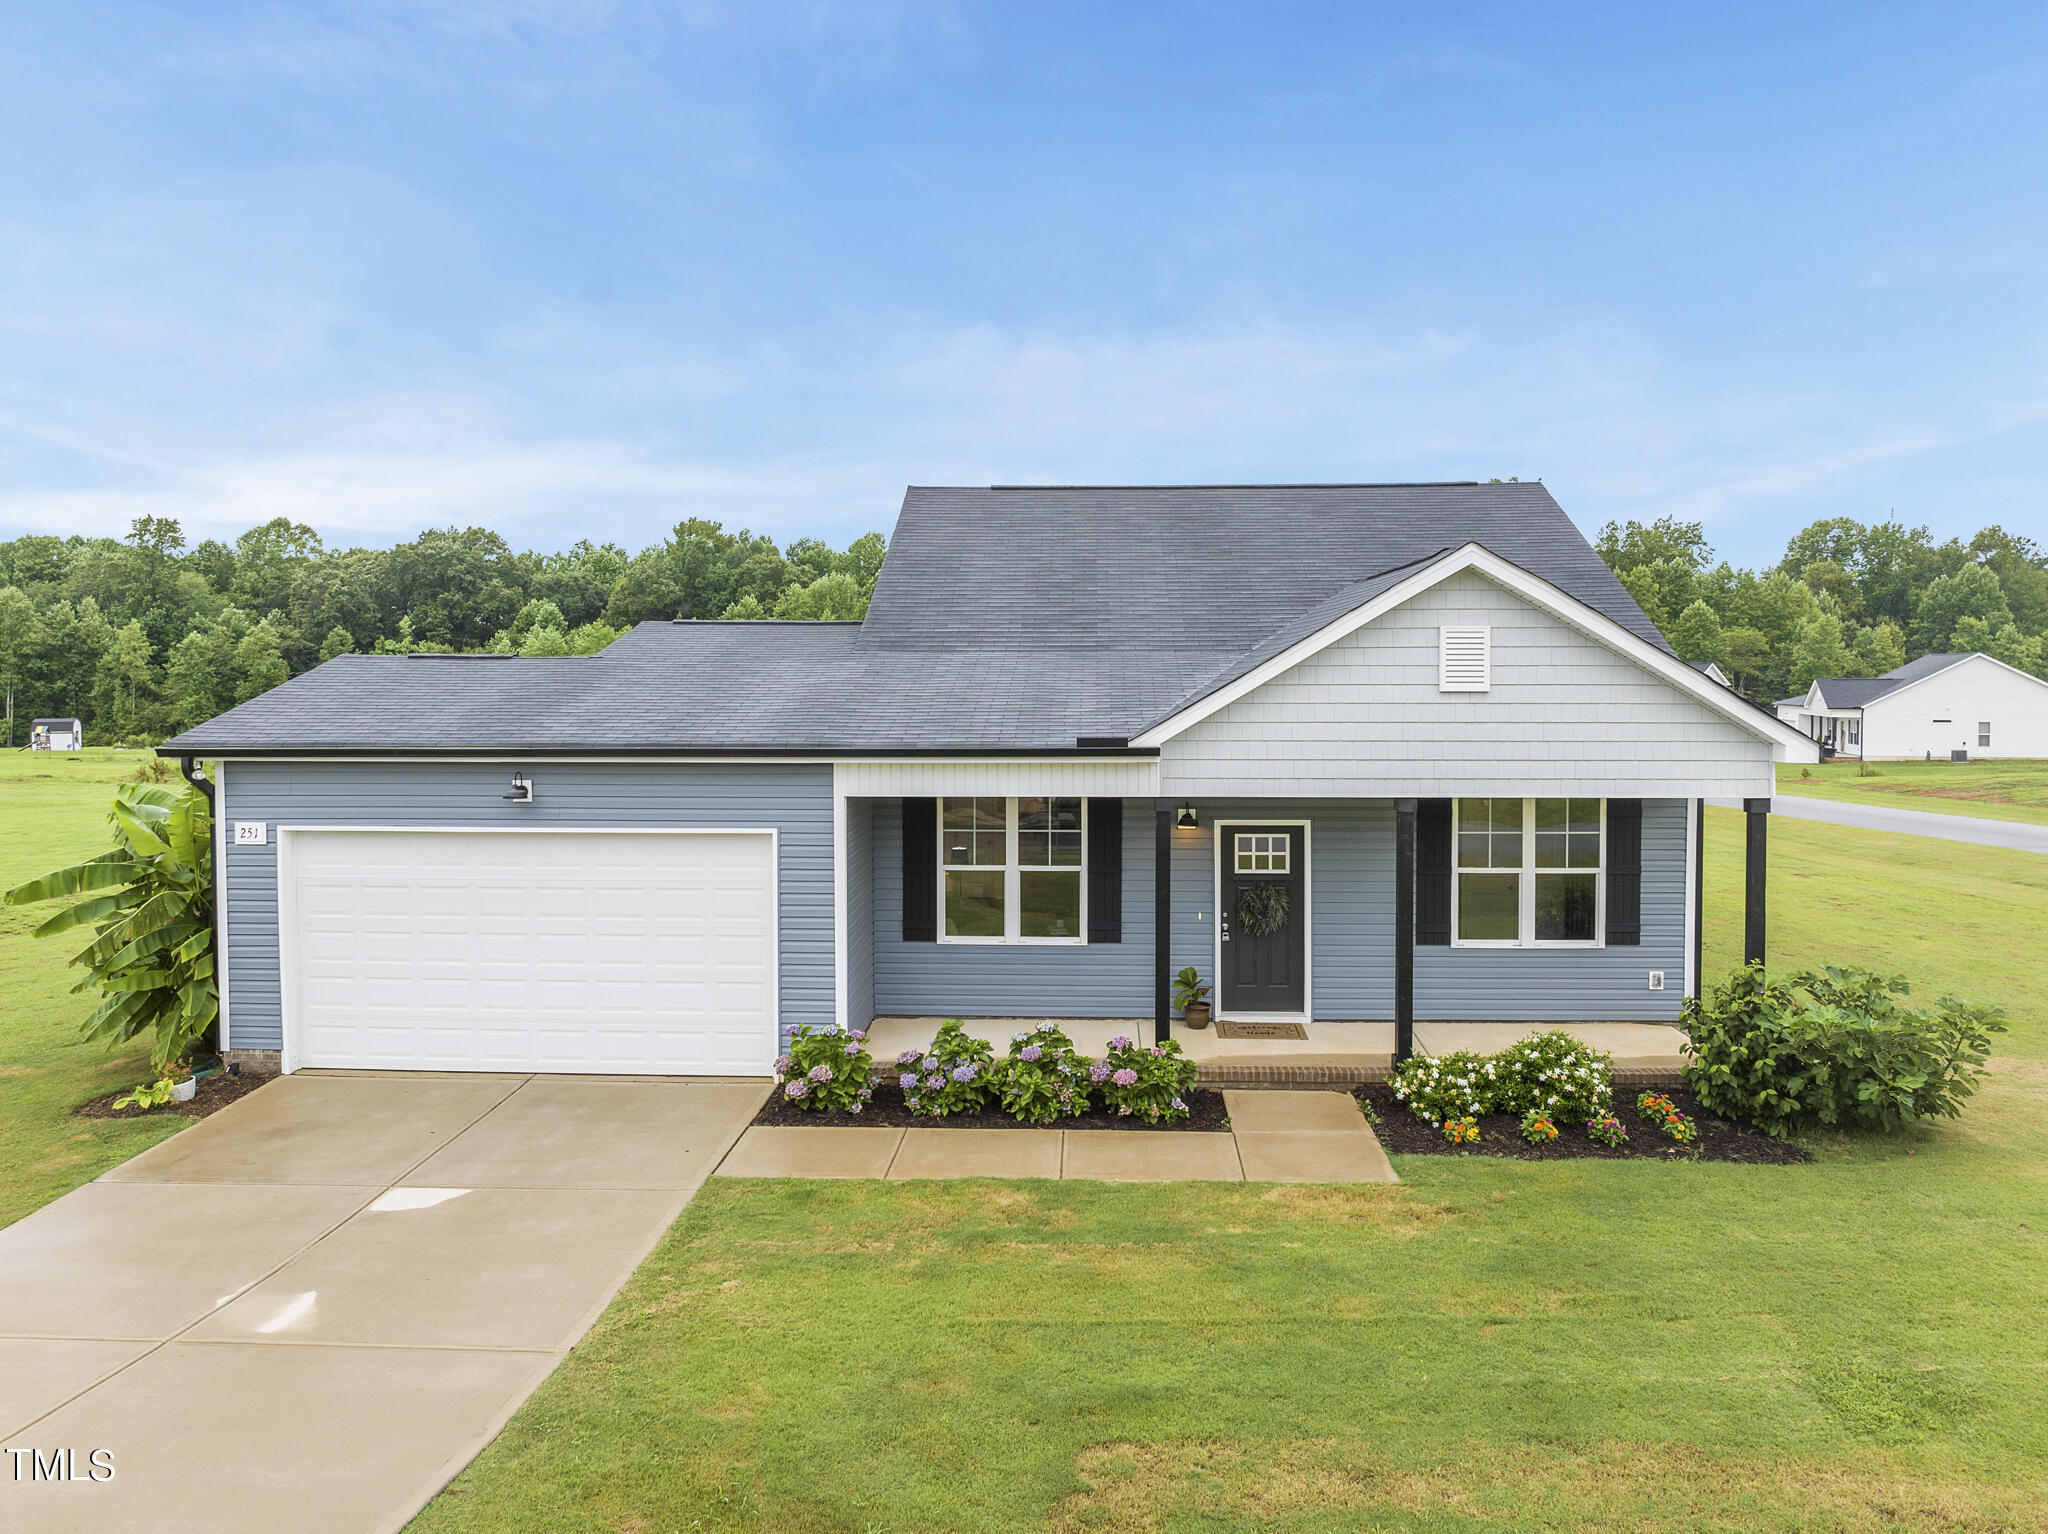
(632, 952)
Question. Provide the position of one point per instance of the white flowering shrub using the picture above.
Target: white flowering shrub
(1442, 1087)
(1556, 1075)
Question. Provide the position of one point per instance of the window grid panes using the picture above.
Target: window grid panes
(1262, 852)
(1011, 869)
(1539, 887)
(1983, 733)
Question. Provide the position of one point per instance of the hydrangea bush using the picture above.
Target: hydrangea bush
(1151, 1084)
(1042, 1078)
(956, 1075)
(1554, 1074)
(827, 1071)
(1442, 1087)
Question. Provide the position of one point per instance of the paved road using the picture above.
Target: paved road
(2014, 834)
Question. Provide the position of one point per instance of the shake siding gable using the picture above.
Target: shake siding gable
(1565, 714)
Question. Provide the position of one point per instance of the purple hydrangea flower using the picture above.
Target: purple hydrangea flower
(1180, 1106)
(936, 1082)
(908, 1057)
(783, 1063)
(1029, 1052)
(964, 1074)
(821, 1073)
(931, 1062)
(907, 1081)
(1125, 1077)
(1158, 1053)
(854, 1109)
(1099, 1072)
(1119, 1042)
(851, 1049)
(859, 1036)
(796, 1089)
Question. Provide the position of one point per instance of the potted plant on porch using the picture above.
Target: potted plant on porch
(1191, 996)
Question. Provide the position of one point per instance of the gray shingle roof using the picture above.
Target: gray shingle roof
(1004, 619)
(1862, 691)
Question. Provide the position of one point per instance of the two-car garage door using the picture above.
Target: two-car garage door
(640, 952)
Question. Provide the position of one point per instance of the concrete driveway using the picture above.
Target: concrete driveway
(2015, 835)
(310, 1310)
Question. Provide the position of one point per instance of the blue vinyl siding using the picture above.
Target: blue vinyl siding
(794, 799)
(1351, 897)
(994, 980)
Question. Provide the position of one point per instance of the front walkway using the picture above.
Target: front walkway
(1333, 1054)
(1274, 1137)
(309, 1311)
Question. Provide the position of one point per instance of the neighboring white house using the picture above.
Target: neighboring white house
(1712, 672)
(56, 735)
(1935, 706)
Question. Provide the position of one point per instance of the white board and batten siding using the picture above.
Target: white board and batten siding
(1940, 714)
(1560, 713)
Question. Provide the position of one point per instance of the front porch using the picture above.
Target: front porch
(1333, 1054)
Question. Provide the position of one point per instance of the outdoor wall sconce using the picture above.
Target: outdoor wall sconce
(1187, 817)
(521, 791)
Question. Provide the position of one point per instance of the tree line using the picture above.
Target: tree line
(143, 637)
(1848, 599)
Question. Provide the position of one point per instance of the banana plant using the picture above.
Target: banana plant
(149, 902)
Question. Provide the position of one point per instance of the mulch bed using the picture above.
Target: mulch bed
(886, 1110)
(215, 1093)
(1500, 1134)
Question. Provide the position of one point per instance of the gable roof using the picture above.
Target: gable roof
(1862, 691)
(1005, 620)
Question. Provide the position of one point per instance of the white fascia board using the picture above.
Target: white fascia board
(1789, 744)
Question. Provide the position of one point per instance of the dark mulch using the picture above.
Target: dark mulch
(1500, 1134)
(215, 1093)
(886, 1110)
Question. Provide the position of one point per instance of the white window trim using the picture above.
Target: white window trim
(1013, 910)
(1525, 916)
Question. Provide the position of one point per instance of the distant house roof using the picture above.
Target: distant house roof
(1707, 668)
(72, 722)
(1005, 619)
(1862, 691)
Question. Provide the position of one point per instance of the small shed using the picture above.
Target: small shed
(56, 735)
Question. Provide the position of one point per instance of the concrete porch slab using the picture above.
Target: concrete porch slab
(889, 1037)
(767, 1151)
(1313, 1156)
(360, 1131)
(598, 1132)
(1334, 1112)
(978, 1153)
(522, 1268)
(211, 1438)
(1634, 1046)
(39, 1374)
(1159, 1155)
(141, 1260)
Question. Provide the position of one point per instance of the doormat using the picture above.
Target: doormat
(1229, 1030)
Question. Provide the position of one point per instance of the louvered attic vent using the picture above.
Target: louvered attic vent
(1464, 659)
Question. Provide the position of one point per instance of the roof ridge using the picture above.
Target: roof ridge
(1283, 484)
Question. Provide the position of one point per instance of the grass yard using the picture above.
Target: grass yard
(1856, 1344)
(2015, 790)
(53, 811)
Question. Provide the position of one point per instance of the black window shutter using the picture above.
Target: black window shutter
(1105, 870)
(1625, 872)
(1433, 873)
(920, 870)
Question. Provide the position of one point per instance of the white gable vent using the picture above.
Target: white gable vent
(1464, 659)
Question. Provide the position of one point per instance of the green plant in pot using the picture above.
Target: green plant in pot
(1191, 997)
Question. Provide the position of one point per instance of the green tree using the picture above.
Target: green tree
(259, 663)
(580, 581)
(19, 624)
(1627, 545)
(646, 591)
(199, 677)
(1749, 653)
(153, 545)
(338, 642)
(544, 642)
(1819, 652)
(1972, 592)
(863, 560)
(834, 597)
(2020, 651)
(1698, 637)
(1880, 649)
(268, 562)
(589, 638)
(126, 683)
(458, 587)
(746, 608)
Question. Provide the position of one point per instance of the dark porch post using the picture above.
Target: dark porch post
(1755, 851)
(1699, 898)
(1404, 929)
(1162, 920)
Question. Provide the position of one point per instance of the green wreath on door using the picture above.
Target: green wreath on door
(1261, 909)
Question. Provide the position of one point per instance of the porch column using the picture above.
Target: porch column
(1755, 851)
(1162, 920)
(1699, 899)
(1404, 929)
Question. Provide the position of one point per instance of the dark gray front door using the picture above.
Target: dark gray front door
(1263, 971)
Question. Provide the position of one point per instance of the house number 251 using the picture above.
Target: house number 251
(252, 833)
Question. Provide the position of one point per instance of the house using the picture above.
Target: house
(1941, 707)
(56, 735)
(1354, 752)
(1707, 668)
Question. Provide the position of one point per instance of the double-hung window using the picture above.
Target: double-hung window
(1011, 870)
(1529, 872)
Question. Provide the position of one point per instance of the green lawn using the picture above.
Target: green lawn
(1856, 1344)
(1991, 790)
(53, 811)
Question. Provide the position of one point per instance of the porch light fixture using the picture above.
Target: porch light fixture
(521, 791)
(1187, 817)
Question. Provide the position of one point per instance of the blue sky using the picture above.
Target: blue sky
(579, 269)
